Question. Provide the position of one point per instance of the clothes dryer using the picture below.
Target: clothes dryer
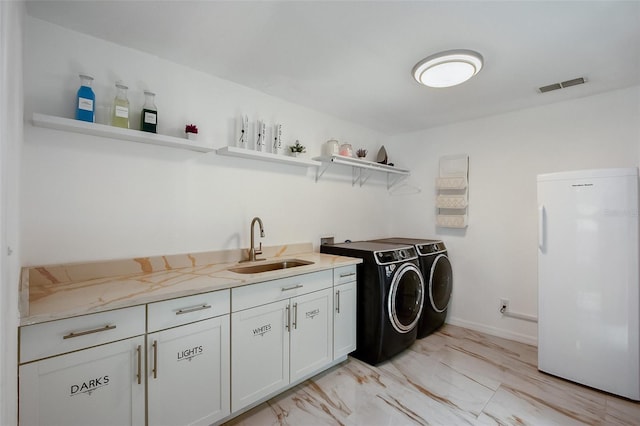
(390, 297)
(438, 275)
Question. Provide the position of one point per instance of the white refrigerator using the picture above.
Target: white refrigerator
(588, 298)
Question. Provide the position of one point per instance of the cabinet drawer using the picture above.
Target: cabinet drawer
(184, 310)
(344, 274)
(56, 337)
(271, 291)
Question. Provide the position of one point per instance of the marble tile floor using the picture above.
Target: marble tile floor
(455, 376)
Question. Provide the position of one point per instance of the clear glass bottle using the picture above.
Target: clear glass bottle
(149, 115)
(86, 100)
(120, 111)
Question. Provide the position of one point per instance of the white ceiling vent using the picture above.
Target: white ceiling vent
(564, 84)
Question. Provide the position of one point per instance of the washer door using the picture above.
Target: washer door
(406, 297)
(440, 283)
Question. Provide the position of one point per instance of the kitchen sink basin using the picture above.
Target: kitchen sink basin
(270, 266)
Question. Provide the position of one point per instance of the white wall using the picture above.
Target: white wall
(88, 198)
(11, 25)
(91, 198)
(496, 255)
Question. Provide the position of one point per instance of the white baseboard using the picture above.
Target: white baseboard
(499, 332)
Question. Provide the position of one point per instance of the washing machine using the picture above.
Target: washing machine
(390, 297)
(437, 272)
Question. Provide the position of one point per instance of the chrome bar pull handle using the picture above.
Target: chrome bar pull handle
(295, 316)
(192, 309)
(84, 333)
(155, 359)
(139, 353)
(287, 320)
(338, 301)
(541, 219)
(350, 274)
(293, 287)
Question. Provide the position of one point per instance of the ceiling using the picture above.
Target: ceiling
(352, 59)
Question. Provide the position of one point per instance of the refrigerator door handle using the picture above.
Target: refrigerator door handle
(541, 214)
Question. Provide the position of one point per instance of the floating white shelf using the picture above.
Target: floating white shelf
(360, 166)
(266, 156)
(94, 129)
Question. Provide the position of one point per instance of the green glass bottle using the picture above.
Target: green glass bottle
(149, 115)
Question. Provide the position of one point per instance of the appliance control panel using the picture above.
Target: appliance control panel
(395, 256)
(427, 249)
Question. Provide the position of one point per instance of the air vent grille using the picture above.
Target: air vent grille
(573, 82)
(562, 85)
(550, 87)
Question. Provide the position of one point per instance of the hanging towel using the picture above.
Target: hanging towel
(451, 221)
(451, 201)
(458, 182)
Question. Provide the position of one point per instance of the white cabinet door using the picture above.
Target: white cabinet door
(311, 333)
(103, 385)
(344, 323)
(260, 352)
(188, 373)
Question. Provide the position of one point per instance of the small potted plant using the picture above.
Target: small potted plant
(192, 131)
(361, 153)
(298, 149)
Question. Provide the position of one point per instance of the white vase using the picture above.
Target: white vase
(192, 136)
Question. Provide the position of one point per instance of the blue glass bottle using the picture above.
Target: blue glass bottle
(86, 100)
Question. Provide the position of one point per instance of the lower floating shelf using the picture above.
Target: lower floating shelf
(94, 129)
(266, 156)
(361, 164)
(358, 166)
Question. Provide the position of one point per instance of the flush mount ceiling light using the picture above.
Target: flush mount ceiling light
(449, 68)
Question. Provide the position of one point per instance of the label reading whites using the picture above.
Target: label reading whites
(150, 117)
(88, 386)
(260, 331)
(85, 104)
(122, 112)
(190, 353)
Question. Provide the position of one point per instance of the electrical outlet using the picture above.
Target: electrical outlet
(326, 240)
(504, 305)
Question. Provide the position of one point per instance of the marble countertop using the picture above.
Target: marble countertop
(61, 291)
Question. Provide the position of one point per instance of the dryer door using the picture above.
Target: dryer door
(440, 283)
(406, 297)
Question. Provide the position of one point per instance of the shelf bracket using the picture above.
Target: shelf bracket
(364, 176)
(391, 182)
(320, 170)
(356, 175)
